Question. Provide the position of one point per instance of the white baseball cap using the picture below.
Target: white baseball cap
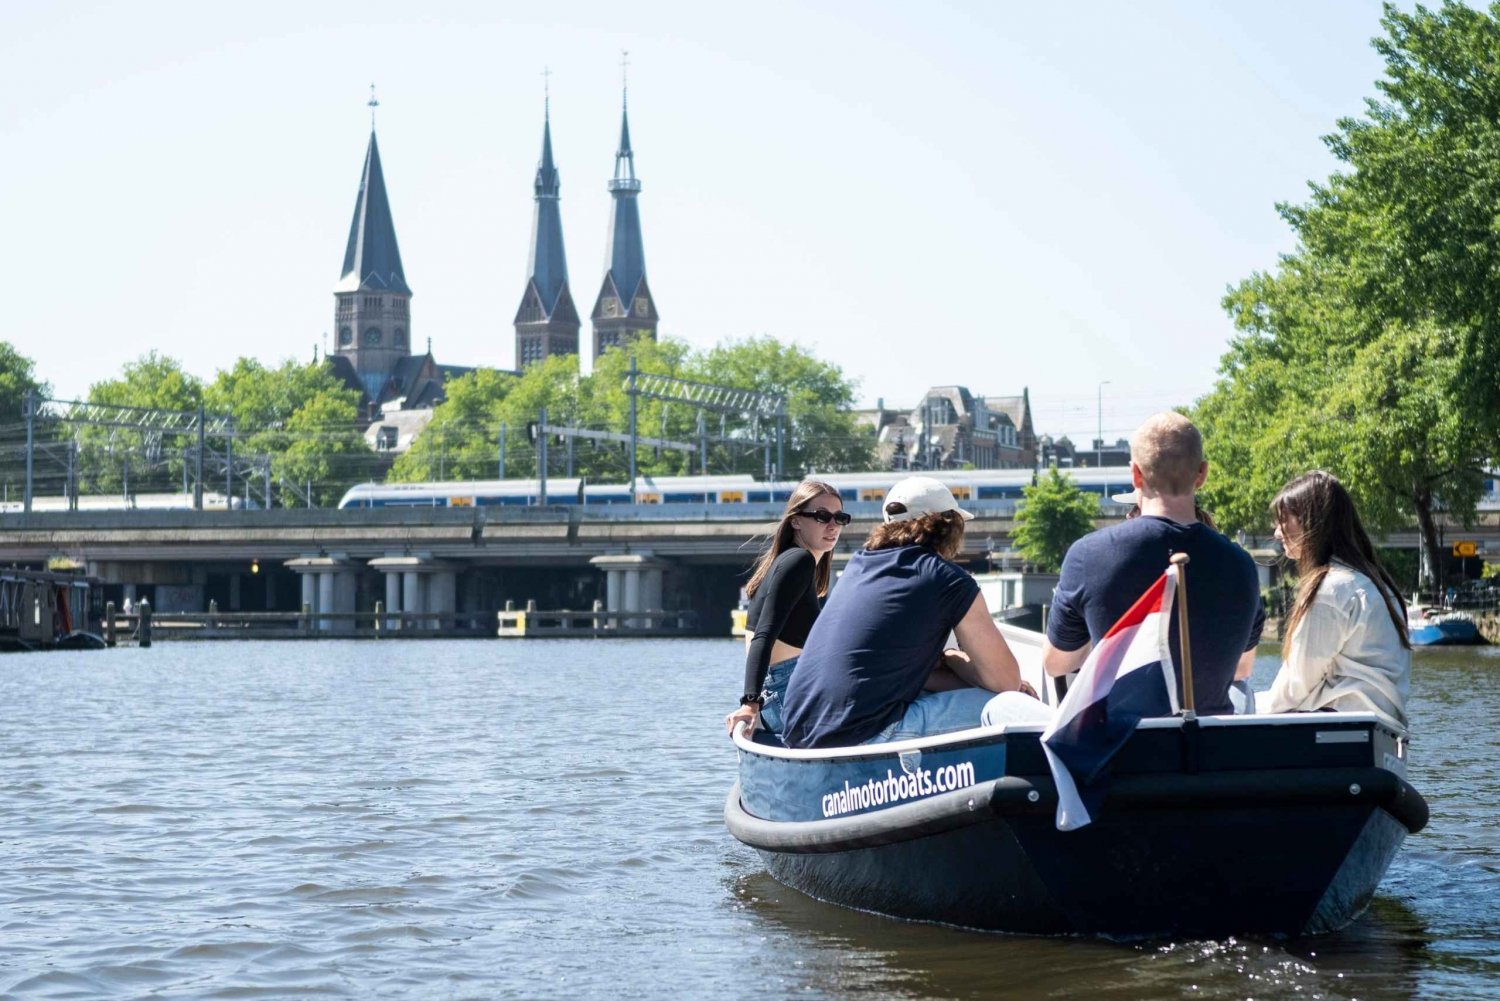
(921, 495)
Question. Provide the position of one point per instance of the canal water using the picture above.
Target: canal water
(542, 819)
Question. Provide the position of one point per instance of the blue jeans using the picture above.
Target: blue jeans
(937, 712)
(777, 675)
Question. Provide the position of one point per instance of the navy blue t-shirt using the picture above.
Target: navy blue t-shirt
(881, 632)
(1106, 571)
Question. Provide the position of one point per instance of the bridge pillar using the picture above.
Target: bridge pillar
(416, 584)
(632, 583)
(327, 587)
(392, 599)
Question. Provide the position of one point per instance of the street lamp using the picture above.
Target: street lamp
(1099, 442)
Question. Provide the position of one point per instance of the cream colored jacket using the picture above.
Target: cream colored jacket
(1345, 654)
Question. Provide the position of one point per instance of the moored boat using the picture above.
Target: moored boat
(1427, 628)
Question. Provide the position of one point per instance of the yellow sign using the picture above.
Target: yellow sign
(1466, 549)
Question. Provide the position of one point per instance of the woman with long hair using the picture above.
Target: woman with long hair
(874, 667)
(784, 591)
(1347, 645)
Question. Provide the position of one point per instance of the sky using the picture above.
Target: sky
(999, 195)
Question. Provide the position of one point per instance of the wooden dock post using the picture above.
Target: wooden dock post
(144, 612)
(109, 623)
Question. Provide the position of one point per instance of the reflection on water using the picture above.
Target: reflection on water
(544, 819)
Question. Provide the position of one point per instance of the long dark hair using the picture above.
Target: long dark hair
(1331, 530)
(806, 492)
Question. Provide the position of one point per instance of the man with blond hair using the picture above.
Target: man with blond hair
(1106, 571)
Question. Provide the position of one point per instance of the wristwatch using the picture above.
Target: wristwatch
(753, 700)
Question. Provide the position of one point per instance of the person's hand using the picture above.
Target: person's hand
(750, 714)
(1026, 689)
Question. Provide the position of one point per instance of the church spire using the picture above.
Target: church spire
(624, 307)
(372, 260)
(547, 321)
(372, 311)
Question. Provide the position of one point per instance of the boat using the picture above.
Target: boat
(1274, 824)
(1427, 627)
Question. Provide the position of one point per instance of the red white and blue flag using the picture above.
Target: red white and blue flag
(1127, 677)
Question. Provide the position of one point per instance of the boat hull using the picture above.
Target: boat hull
(1242, 840)
(1455, 632)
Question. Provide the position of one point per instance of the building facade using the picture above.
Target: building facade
(547, 321)
(951, 428)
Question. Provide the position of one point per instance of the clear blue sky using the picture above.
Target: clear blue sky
(993, 194)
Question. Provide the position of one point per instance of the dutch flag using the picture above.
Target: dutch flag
(1127, 677)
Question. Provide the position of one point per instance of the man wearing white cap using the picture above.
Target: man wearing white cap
(1105, 572)
(872, 668)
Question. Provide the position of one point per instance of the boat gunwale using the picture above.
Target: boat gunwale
(988, 734)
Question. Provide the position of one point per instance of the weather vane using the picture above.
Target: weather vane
(625, 75)
(373, 104)
(547, 88)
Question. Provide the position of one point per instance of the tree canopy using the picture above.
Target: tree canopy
(1053, 514)
(463, 439)
(1371, 350)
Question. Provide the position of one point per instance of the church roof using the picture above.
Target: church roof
(372, 260)
(627, 254)
(548, 267)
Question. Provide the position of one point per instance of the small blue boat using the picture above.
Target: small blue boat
(1442, 628)
(1277, 824)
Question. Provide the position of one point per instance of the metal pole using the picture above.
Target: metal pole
(702, 444)
(1099, 449)
(198, 483)
(502, 450)
(28, 411)
(781, 446)
(72, 473)
(570, 455)
(228, 466)
(541, 457)
(632, 372)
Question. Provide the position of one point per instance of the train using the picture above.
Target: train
(212, 501)
(994, 490)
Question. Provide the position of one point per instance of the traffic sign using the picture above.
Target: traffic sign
(1466, 548)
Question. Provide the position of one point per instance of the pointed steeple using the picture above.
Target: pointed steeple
(549, 264)
(372, 259)
(624, 307)
(372, 312)
(547, 321)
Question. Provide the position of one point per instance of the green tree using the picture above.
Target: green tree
(1052, 515)
(301, 416)
(17, 378)
(109, 457)
(1371, 350)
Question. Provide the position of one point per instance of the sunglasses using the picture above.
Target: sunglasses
(839, 518)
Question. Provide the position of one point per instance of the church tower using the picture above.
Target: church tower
(547, 322)
(372, 312)
(625, 306)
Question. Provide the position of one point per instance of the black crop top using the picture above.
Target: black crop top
(784, 608)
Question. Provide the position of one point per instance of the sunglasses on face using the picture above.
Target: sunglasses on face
(839, 518)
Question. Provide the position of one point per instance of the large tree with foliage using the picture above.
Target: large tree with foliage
(1371, 350)
(302, 417)
(17, 378)
(462, 441)
(110, 458)
(1053, 514)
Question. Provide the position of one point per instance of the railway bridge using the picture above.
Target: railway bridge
(459, 560)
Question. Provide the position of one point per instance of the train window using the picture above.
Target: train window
(962, 493)
(731, 496)
(759, 497)
(849, 494)
(460, 502)
(686, 499)
(645, 498)
(781, 496)
(872, 494)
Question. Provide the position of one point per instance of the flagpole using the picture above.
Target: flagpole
(1180, 561)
